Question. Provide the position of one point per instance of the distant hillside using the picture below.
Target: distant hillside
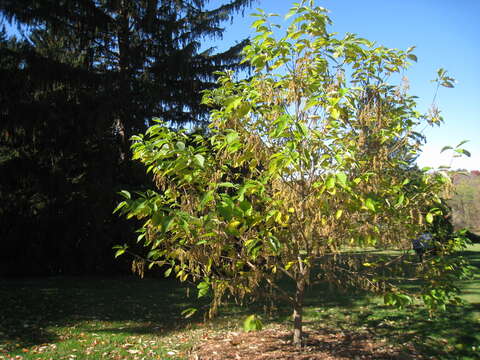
(465, 202)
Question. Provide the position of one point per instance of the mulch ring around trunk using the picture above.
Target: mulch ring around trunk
(276, 344)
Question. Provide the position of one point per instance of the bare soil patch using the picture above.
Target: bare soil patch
(275, 344)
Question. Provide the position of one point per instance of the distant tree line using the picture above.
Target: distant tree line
(465, 200)
(85, 76)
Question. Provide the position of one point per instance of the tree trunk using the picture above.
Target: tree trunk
(123, 121)
(298, 312)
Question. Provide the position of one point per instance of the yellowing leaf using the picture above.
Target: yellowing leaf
(338, 214)
(335, 113)
(233, 224)
(429, 218)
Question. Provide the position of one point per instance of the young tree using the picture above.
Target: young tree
(305, 160)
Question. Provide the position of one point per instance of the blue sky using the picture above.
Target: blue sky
(446, 35)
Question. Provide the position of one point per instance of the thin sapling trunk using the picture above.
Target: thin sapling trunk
(298, 310)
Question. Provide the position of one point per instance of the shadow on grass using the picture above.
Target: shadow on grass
(34, 310)
(453, 334)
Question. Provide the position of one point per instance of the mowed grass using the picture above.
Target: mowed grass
(131, 318)
(454, 334)
(89, 318)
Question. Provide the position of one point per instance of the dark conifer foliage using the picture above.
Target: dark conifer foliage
(87, 76)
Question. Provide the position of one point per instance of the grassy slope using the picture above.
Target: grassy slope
(128, 318)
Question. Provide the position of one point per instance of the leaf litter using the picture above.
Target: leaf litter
(275, 343)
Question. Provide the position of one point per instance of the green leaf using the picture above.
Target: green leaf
(199, 160)
(252, 323)
(227, 185)
(168, 272)
(445, 148)
(125, 194)
(246, 207)
(119, 206)
(333, 101)
(258, 23)
(154, 254)
(232, 228)
(463, 151)
(203, 288)
(290, 14)
(156, 218)
(225, 211)
(389, 299)
(412, 57)
(461, 143)
(330, 183)
(233, 103)
(274, 243)
(342, 179)
(403, 300)
(370, 204)
(243, 110)
(281, 123)
(120, 252)
(189, 312)
(302, 128)
(180, 145)
(231, 137)
(400, 200)
(311, 102)
(207, 197)
(166, 222)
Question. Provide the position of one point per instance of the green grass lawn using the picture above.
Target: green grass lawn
(130, 318)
